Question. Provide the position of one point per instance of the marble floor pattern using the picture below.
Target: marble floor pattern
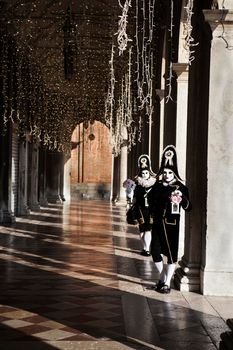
(71, 277)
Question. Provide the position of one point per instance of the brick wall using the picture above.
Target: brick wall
(91, 160)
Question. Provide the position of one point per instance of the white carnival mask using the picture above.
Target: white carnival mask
(168, 175)
(145, 174)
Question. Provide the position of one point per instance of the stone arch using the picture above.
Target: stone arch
(91, 161)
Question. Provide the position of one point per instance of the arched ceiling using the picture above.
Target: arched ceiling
(37, 26)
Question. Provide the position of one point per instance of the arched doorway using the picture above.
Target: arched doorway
(91, 162)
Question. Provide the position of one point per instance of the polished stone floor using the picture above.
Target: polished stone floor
(71, 277)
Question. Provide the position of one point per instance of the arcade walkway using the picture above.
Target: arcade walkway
(71, 277)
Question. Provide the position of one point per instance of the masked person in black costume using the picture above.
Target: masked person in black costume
(145, 179)
(144, 182)
(166, 198)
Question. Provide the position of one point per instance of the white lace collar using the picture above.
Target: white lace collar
(169, 183)
(146, 183)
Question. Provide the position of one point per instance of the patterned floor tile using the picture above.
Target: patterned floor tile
(16, 323)
(70, 281)
(53, 335)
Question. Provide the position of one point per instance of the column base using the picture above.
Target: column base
(6, 217)
(121, 202)
(43, 202)
(54, 199)
(187, 277)
(62, 198)
(35, 207)
(24, 210)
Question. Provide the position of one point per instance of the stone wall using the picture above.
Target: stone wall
(91, 161)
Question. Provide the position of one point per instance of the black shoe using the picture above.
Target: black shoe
(158, 286)
(165, 289)
(145, 253)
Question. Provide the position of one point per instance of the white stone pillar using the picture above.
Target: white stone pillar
(123, 169)
(160, 93)
(67, 178)
(217, 270)
(181, 70)
(112, 179)
(228, 4)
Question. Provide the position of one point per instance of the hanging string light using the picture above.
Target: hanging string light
(170, 68)
(109, 103)
(130, 93)
(48, 107)
(120, 114)
(145, 65)
(189, 43)
(122, 37)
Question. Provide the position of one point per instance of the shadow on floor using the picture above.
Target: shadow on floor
(66, 283)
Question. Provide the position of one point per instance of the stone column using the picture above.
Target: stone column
(23, 179)
(160, 94)
(61, 167)
(112, 180)
(6, 215)
(115, 179)
(42, 177)
(123, 169)
(217, 266)
(67, 178)
(53, 177)
(181, 70)
(33, 202)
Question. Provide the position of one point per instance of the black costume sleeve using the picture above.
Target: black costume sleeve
(185, 203)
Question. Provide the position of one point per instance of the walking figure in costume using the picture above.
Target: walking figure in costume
(144, 182)
(166, 198)
(129, 186)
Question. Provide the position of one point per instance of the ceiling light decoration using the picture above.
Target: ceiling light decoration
(119, 114)
(130, 97)
(70, 45)
(44, 102)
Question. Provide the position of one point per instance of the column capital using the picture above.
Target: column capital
(181, 70)
(160, 93)
(218, 17)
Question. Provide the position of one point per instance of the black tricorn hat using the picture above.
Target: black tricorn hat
(144, 163)
(169, 161)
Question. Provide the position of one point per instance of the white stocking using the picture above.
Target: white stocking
(142, 239)
(162, 269)
(163, 274)
(159, 266)
(147, 240)
(170, 272)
